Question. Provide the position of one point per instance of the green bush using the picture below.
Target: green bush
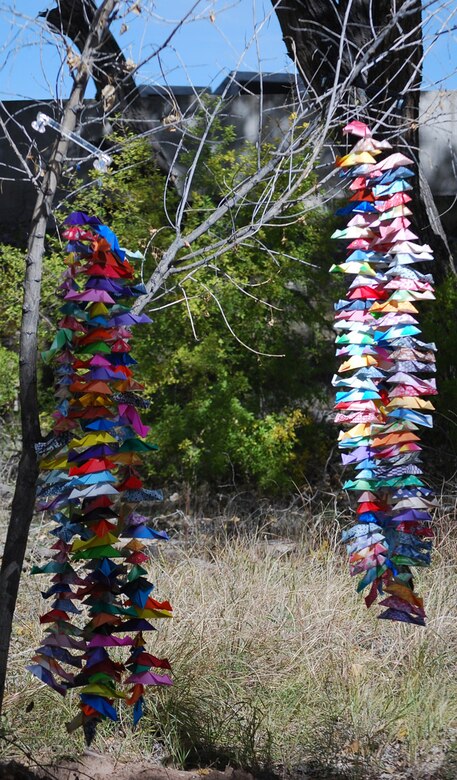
(438, 323)
(237, 372)
(8, 378)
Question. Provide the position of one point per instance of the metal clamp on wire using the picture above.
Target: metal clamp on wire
(102, 160)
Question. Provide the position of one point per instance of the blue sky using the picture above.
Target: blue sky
(209, 45)
(217, 38)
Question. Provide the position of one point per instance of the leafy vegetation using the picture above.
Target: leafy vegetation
(12, 261)
(225, 408)
(438, 324)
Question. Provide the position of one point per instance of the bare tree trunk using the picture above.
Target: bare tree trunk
(24, 495)
(74, 20)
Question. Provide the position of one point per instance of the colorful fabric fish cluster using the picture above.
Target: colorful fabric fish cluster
(90, 483)
(384, 376)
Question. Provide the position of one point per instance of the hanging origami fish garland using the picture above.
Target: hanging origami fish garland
(385, 371)
(90, 483)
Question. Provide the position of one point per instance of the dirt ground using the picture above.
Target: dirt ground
(93, 766)
(96, 766)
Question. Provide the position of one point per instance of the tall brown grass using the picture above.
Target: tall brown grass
(276, 661)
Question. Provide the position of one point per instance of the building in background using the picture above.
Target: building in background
(256, 105)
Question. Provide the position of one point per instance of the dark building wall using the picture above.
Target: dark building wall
(160, 114)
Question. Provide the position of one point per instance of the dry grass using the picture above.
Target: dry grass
(276, 663)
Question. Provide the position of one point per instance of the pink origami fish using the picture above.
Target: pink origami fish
(357, 128)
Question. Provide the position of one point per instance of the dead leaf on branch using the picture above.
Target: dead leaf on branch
(73, 59)
(108, 97)
(171, 119)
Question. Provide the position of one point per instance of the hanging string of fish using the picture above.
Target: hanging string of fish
(100, 595)
(385, 378)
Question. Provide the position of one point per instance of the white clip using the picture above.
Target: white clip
(102, 160)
